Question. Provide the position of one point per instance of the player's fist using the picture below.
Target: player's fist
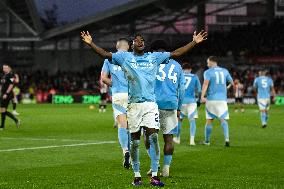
(86, 37)
(4, 96)
(201, 36)
(203, 100)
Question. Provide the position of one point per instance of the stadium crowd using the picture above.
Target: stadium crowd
(40, 83)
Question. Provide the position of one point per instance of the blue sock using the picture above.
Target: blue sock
(178, 128)
(263, 118)
(192, 127)
(225, 127)
(154, 151)
(135, 155)
(123, 138)
(208, 130)
(168, 159)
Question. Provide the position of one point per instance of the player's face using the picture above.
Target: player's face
(138, 44)
(6, 69)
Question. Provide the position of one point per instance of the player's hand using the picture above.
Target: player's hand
(86, 37)
(4, 96)
(201, 36)
(203, 100)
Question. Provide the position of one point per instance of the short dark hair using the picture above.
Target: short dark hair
(137, 35)
(159, 44)
(186, 66)
(213, 59)
(6, 64)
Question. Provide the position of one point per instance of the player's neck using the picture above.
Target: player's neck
(138, 53)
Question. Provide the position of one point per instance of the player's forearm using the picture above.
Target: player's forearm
(204, 90)
(100, 51)
(229, 86)
(182, 50)
(273, 93)
(9, 88)
(107, 81)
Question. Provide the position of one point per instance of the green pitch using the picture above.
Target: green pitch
(72, 146)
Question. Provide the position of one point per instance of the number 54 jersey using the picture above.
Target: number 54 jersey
(218, 78)
(170, 86)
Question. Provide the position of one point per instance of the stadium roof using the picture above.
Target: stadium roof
(55, 19)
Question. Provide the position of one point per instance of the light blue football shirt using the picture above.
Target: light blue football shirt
(140, 72)
(119, 82)
(263, 85)
(218, 78)
(169, 88)
(192, 85)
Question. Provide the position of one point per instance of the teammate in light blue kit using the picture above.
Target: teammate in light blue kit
(189, 104)
(140, 69)
(215, 88)
(169, 92)
(264, 86)
(119, 90)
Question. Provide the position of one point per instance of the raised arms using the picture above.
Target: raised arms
(87, 38)
(196, 39)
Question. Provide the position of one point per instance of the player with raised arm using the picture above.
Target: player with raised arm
(264, 86)
(140, 69)
(119, 90)
(189, 104)
(215, 88)
(7, 84)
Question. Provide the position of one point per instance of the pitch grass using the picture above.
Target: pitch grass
(254, 160)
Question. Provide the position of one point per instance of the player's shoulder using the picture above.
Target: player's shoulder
(208, 71)
(174, 62)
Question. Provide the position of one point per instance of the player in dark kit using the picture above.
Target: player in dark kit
(15, 99)
(7, 84)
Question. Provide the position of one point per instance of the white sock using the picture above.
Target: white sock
(137, 174)
(154, 174)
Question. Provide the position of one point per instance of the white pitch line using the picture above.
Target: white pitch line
(47, 139)
(57, 146)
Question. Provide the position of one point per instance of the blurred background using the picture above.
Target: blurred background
(40, 39)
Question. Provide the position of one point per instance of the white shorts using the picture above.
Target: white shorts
(143, 114)
(119, 103)
(168, 121)
(263, 103)
(189, 110)
(217, 109)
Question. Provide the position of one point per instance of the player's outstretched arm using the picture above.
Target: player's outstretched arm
(201, 36)
(87, 38)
